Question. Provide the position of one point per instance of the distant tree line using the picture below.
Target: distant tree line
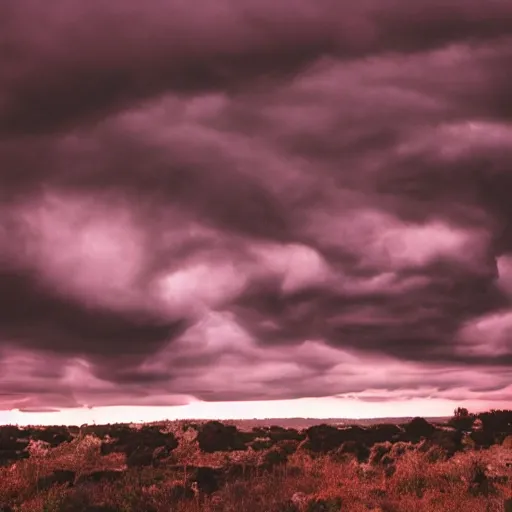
(495, 420)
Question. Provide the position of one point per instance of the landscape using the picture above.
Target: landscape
(255, 255)
(464, 463)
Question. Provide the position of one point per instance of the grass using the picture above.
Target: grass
(419, 483)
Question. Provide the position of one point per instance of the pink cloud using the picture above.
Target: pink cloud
(504, 264)
(84, 246)
(298, 266)
(384, 241)
(490, 335)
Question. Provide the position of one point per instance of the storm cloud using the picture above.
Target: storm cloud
(253, 200)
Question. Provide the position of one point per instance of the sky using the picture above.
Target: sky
(250, 208)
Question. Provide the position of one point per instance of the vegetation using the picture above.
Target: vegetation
(462, 419)
(208, 466)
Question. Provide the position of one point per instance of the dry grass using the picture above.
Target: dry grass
(417, 483)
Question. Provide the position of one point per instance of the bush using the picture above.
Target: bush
(481, 439)
(285, 434)
(462, 419)
(478, 481)
(413, 484)
(324, 505)
(400, 448)
(418, 428)
(288, 446)
(274, 457)
(261, 444)
(324, 438)
(214, 436)
(378, 451)
(359, 450)
(507, 443)
(436, 454)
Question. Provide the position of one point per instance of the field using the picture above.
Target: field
(211, 466)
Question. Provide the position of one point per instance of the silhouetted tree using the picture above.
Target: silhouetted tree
(497, 422)
(418, 428)
(462, 419)
(214, 436)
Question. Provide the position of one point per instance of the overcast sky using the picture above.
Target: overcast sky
(253, 200)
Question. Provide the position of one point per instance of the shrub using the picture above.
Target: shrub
(496, 421)
(400, 448)
(351, 448)
(286, 506)
(274, 457)
(462, 419)
(288, 446)
(381, 433)
(413, 484)
(481, 438)
(324, 505)
(436, 454)
(216, 437)
(261, 444)
(449, 442)
(285, 434)
(477, 479)
(418, 428)
(58, 477)
(378, 451)
(507, 443)
(324, 438)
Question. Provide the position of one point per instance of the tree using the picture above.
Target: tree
(497, 421)
(462, 419)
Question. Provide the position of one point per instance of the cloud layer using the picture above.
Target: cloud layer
(253, 201)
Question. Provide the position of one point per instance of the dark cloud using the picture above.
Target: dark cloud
(253, 200)
(72, 61)
(31, 315)
(418, 325)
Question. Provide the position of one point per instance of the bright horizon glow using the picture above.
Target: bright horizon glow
(315, 408)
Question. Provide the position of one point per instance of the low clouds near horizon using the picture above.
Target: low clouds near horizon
(252, 200)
